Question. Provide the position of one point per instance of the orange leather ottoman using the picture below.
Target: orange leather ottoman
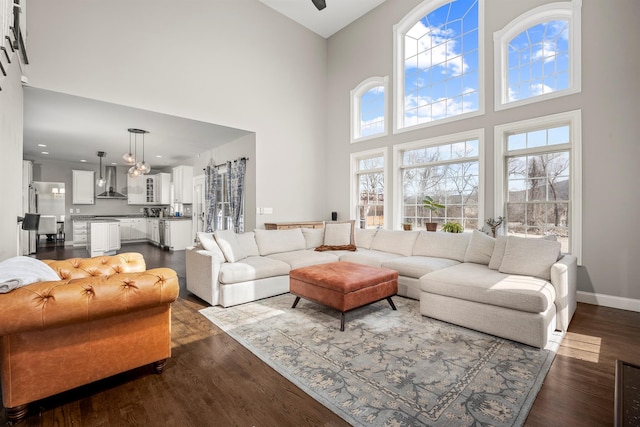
(343, 285)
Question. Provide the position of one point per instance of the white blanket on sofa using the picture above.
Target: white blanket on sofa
(23, 270)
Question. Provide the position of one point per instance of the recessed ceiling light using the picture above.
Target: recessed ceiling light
(42, 145)
(114, 163)
(83, 161)
(159, 156)
(44, 152)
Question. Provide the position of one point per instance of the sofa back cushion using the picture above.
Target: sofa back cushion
(247, 242)
(498, 252)
(313, 237)
(276, 241)
(442, 245)
(228, 242)
(364, 237)
(208, 243)
(394, 241)
(529, 257)
(480, 248)
(339, 233)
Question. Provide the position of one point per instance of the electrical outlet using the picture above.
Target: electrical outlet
(141, 210)
(77, 210)
(268, 211)
(70, 210)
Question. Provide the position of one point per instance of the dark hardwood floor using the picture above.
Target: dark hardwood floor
(212, 380)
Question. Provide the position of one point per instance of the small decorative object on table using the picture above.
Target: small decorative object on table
(494, 224)
(407, 226)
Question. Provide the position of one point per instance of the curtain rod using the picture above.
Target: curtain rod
(224, 164)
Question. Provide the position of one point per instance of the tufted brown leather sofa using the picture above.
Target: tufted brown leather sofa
(104, 316)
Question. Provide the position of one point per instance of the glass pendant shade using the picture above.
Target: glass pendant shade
(101, 181)
(143, 167)
(129, 158)
(139, 167)
(134, 172)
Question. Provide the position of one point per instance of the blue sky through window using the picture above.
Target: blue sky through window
(441, 64)
(538, 60)
(372, 112)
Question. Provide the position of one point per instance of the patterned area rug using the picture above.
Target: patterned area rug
(391, 368)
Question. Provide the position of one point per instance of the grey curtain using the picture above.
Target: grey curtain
(235, 192)
(211, 197)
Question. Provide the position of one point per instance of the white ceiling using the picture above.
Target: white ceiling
(337, 15)
(75, 129)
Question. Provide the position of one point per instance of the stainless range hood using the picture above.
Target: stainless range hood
(110, 186)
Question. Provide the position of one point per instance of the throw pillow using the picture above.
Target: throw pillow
(313, 237)
(338, 235)
(276, 241)
(208, 243)
(23, 270)
(529, 257)
(498, 252)
(229, 245)
(247, 242)
(480, 248)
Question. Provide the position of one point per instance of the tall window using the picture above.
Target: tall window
(369, 109)
(538, 55)
(438, 63)
(368, 188)
(446, 169)
(539, 191)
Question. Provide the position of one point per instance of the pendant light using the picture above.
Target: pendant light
(129, 158)
(101, 181)
(143, 166)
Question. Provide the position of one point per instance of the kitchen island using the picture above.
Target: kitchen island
(103, 236)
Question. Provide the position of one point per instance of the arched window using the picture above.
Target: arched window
(369, 116)
(438, 62)
(538, 55)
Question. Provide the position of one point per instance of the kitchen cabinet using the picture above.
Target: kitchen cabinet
(175, 235)
(83, 187)
(183, 184)
(133, 229)
(163, 189)
(136, 190)
(79, 233)
(104, 237)
(153, 230)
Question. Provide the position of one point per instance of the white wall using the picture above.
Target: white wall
(10, 158)
(234, 63)
(610, 102)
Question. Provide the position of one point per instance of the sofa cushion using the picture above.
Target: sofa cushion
(529, 257)
(364, 237)
(394, 241)
(442, 245)
(498, 252)
(369, 257)
(475, 282)
(339, 233)
(304, 258)
(418, 266)
(276, 241)
(252, 268)
(313, 237)
(480, 248)
(208, 243)
(229, 245)
(247, 242)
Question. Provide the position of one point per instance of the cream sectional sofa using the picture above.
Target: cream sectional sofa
(516, 288)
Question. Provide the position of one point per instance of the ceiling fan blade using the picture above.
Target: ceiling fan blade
(320, 4)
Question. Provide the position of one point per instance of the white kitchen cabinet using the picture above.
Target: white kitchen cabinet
(125, 229)
(136, 190)
(79, 232)
(183, 184)
(133, 229)
(83, 187)
(153, 230)
(163, 189)
(177, 234)
(104, 238)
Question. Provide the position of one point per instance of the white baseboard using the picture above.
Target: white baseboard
(609, 301)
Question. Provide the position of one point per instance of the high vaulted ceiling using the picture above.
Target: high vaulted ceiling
(337, 15)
